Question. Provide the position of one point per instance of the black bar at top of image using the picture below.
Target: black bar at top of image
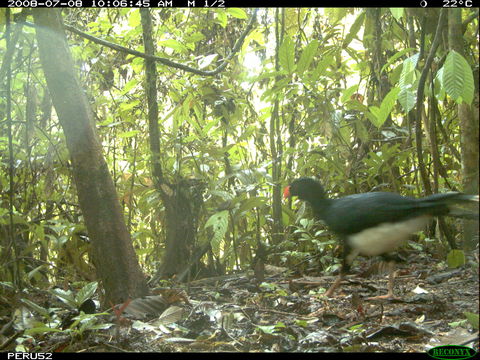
(235, 3)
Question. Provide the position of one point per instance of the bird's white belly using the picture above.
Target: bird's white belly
(385, 237)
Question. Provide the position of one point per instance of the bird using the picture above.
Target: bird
(375, 223)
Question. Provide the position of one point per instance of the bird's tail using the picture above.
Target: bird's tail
(449, 202)
(451, 198)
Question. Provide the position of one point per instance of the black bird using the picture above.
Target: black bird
(375, 223)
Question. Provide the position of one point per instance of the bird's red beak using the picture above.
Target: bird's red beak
(286, 192)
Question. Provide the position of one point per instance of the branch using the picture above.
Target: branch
(163, 60)
(419, 105)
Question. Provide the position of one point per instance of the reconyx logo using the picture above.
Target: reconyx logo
(456, 352)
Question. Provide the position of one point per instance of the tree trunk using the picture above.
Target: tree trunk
(113, 254)
(468, 131)
(182, 200)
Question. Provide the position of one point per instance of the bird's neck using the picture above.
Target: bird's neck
(320, 205)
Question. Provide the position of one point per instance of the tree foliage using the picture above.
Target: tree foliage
(317, 92)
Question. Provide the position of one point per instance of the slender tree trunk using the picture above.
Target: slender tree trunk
(468, 131)
(276, 151)
(183, 199)
(113, 254)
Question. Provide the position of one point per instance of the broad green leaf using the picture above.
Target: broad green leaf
(321, 67)
(197, 36)
(267, 329)
(395, 57)
(173, 44)
(286, 55)
(134, 19)
(408, 71)
(307, 56)
(65, 296)
(473, 319)
(389, 101)
(458, 78)
(251, 203)
(129, 86)
(373, 115)
(362, 131)
(221, 18)
(35, 271)
(39, 309)
(407, 98)
(334, 15)
(237, 13)
(455, 258)
(408, 93)
(128, 134)
(86, 292)
(354, 29)
(347, 93)
(386, 107)
(397, 13)
(219, 224)
(128, 105)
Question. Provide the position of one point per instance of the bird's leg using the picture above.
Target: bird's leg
(391, 279)
(348, 257)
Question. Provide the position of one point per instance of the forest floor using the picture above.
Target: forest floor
(288, 314)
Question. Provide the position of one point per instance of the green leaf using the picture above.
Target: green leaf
(380, 114)
(35, 271)
(86, 292)
(408, 70)
(301, 323)
(267, 329)
(407, 98)
(408, 92)
(397, 13)
(321, 67)
(39, 309)
(128, 134)
(455, 258)
(347, 93)
(473, 319)
(219, 224)
(40, 330)
(173, 44)
(334, 15)
(221, 18)
(458, 78)
(395, 57)
(134, 19)
(362, 131)
(251, 203)
(129, 86)
(65, 296)
(307, 56)
(389, 101)
(237, 13)
(373, 115)
(354, 29)
(286, 55)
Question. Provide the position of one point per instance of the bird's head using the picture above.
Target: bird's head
(305, 188)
